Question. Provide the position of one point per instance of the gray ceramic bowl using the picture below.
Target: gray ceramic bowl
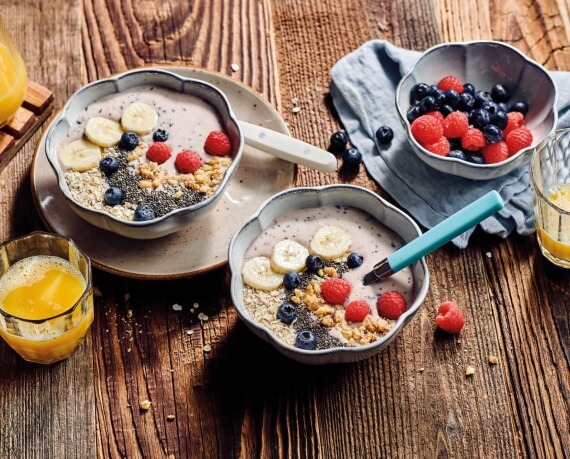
(483, 64)
(332, 195)
(179, 218)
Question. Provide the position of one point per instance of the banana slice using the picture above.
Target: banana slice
(330, 242)
(139, 118)
(257, 273)
(80, 155)
(288, 256)
(104, 132)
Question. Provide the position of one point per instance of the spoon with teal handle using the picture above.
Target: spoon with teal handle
(433, 239)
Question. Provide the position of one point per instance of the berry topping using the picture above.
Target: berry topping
(469, 88)
(521, 107)
(495, 152)
(480, 118)
(287, 313)
(187, 162)
(338, 141)
(306, 340)
(449, 317)
(515, 120)
(218, 144)
(490, 106)
(354, 260)
(466, 101)
(129, 141)
(500, 93)
(452, 97)
(314, 263)
(113, 196)
(108, 165)
(144, 213)
(446, 110)
(351, 157)
(440, 147)
(429, 104)
(492, 133)
(335, 290)
(500, 119)
(450, 82)
(384, 135)
(158, 152)
(482, 97)
(291, 280)
(391, 304)
(438, 95)
(160, 135)
(427, 129)
(418, 92)
(518, 139)
(436, 114)
(356, 311)
(414, 113)
(473, 140)
(455, 125)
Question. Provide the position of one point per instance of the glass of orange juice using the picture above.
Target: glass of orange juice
(13, 77)
(46, 296)
(550, 181)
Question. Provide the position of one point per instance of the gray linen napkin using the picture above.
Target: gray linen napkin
(363, 88)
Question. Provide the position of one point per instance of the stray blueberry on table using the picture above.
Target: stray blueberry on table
(113, 196)
(351, 157)
(291, 280)
(160, 135)
(144, 213)
(338, 141)
(306, 340)
(314, 263)
(500, 93)
(287, 313)
(384, 134)
(521, 107)
(457, 154)
(108, 165)
(492, 133)
(354, 260)
(129, 141)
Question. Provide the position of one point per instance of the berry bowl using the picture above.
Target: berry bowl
(145, 153)
(297, 268)
(488, 89)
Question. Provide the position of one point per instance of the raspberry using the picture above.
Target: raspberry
(441, 147)
(450, 82)
(515, 120)
(449, 317)
(158, 152)
(427, 129)
(217, 144)
(473, 140)
(518, 139)
(436, 114)
(335, 290)
(187, 162)
(391, 304)
(455, 125)
(356, 311)
(495, 152)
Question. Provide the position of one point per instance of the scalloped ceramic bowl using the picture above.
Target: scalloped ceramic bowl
(177, 219)
(483, 64)
(331, 195)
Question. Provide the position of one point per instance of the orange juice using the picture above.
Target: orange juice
(13, 80)
(45, 308)
(553, 227)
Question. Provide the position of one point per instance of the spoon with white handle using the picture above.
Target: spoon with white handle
(287, 148)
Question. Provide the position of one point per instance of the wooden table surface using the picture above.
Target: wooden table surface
(242, 398)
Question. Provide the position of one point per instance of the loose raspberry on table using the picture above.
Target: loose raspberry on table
(187, 162)
(450, 317)
(495, 152)
(515, 120)
(427, 129)
(217, 144)
(335, 290)
(356, 311)
(158, 152)
(455, 125)
(450, 82)
(441, 147)
(473, 140)
(518, 139)
(391, 304)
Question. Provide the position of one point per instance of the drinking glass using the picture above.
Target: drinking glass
(550, 180)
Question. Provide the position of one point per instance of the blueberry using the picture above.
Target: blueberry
(480, 97)
(338, 141)
(452, 97)
(108, 165)
(160, 135)
(418, 92)
(291, 280)
(306, 340)
(500, 93)
(384, 134)
(469, 88)
(354, 260)
(457, 154)
(500, 119)
(428, 104)
(114, 196)
(287, 313)
(413, 113)
(314, 263)
(474, 158)
(519, 107)
(455, 144)
(437, 94)
(144, 213)
(466, 102)
(129, 141)
(492, 133)
(480, 118)
(446, 109)
(503, 107)
(351, 157)
(490, 106)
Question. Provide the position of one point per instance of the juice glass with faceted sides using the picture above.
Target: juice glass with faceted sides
(52, 337)
(13, 77)
(550, 180)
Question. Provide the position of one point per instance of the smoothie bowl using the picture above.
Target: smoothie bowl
(145, 153)
(297, 267)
